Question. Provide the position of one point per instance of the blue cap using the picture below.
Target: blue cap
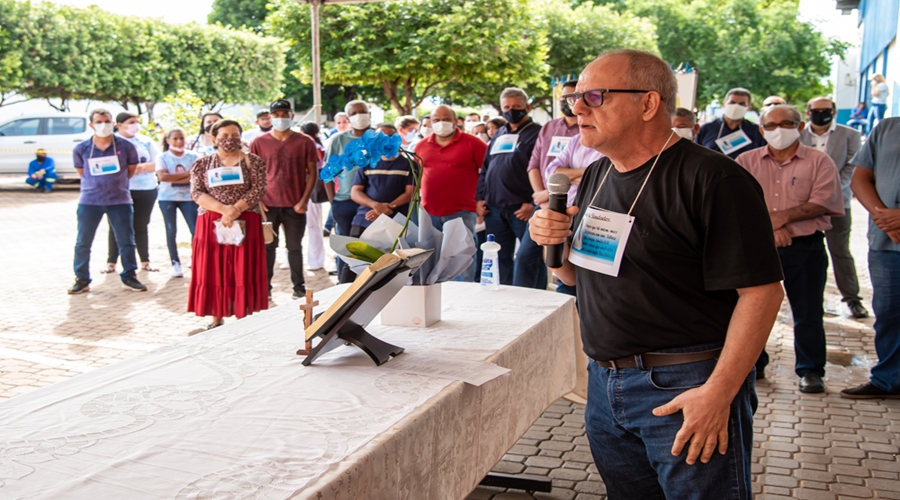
(490, 237)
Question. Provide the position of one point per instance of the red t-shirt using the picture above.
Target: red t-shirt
(286, 166)
(450, 176)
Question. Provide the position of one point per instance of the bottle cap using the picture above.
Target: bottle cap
(490, 237)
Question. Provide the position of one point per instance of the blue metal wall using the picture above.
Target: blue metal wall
(879, 19)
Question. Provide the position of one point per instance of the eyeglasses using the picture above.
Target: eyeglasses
(785, 124)
(594, 98)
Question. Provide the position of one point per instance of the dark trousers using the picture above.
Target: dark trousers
(805, 267)
(170, 210)
(89, 217)
(294, 227)
(343, 212)
(844, 267)
(143, 202)
(529, 268)
(506, 228)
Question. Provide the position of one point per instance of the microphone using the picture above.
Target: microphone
(558, 185)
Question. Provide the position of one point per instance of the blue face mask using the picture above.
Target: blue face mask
(515, 115)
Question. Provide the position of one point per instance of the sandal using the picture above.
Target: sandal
(212, 326)
(146, 267)
(110, 268)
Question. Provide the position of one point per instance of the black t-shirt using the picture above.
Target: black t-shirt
(701, 231)
(503, 181)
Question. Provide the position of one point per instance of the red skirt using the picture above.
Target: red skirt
(228, 280)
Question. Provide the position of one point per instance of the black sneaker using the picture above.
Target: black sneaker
(857, 310)
(81, 286)
(299, 295)
(868, 391)
(812, 384)
(131, 283)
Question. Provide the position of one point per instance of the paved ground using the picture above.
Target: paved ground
(807, 446)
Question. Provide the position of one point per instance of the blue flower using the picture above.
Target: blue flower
(365, 151)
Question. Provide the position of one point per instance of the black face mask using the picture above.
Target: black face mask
(566, 109)
(821, 117)
(207, 128)
(515, 115)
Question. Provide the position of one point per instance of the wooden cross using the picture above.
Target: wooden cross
(307, 309)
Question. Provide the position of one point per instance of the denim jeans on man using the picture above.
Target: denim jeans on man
(120, 218)
(529, 270)
(805, 267)
(169, 211)
(884, 269)
(632, 448)
(506, 228)
(343, 212)
(469, 219)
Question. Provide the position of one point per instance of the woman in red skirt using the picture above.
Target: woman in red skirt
(228, 185)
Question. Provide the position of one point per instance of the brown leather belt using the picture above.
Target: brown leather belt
(655, 359)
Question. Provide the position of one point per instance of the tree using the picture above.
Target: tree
(757, 44)
(409, 47)
(12, 14)
(247, 14)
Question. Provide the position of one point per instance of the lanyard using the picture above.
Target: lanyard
(611, 166)
(116, 153)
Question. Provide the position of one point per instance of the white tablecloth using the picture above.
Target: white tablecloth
(232, 413)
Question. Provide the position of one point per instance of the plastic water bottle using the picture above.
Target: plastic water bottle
(490, 264)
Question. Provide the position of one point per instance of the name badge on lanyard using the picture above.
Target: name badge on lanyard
(104, 165)
(558, 145)
(733, 142)
(225, 176)
(505, 144)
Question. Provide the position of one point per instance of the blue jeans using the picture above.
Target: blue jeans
(343, 212)
(632, 447)
(876, 112)
(805, 267)
(884, 269)
(564, 288)
(469, 219)
(859, 124)
(121, 220)
(529, 270)
(169, 211)
(506, 228)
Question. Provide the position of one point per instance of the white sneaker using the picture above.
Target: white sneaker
(176, 270)
(285, 265)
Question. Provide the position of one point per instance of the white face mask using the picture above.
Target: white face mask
(735, 111)
(131, 129)
(484, 137)
(360, 121)
(443, 129)
(411, 136)
(469, 126)
(782, 138)
(426, 131)
(103, 129)
(281, 124)
(687, 133)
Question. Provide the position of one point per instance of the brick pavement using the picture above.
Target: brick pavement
(806, 446)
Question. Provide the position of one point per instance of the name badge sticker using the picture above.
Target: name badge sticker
(600, 241)
(225, 176)
(104, 165)
(733, 142)
(505, 144)
(558, 145)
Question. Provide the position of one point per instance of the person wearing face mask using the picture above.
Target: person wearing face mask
(450, 160)
(840, 143)
(505, 194)
(425, 130)
(143, 186)
(803, 192)
(263, 123)
(684, 123)
(472, 119)
(41, 172)
(228, 186)
(204, 144)
(386, 189)
(104, 163)
(732, 134)
(342, 206)
(554, 137)
(480, 131)
(173, 168)
(291, 174)
(408, 128)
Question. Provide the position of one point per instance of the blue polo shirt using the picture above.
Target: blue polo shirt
(503, 181)
(384, 184)
(111, 189)
(717, 129)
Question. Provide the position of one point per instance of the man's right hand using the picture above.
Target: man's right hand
(264, 207)
(481, 208)
(550, 228)
(782, 238)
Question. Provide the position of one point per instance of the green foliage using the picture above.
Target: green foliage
(757, 44)
(409, 47)
(247, 14)
(69, 53)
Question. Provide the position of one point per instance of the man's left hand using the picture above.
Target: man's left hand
(705, 423)
(887, 219)
(300, 207)
(541, 197)
(524, 213)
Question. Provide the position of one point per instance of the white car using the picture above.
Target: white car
(57, 133)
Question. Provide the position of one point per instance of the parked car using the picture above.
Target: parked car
(57, 133)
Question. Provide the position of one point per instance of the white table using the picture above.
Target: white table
(232, 413)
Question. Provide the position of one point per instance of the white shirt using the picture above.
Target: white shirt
(820, 142)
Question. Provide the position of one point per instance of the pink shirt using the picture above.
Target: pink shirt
(807, 177)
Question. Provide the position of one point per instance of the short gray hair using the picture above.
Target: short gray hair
(514, 92)
(648, 72)
(795, 115)
(99, 111)
(686, 113)
(740, 91)
(340, 114)
(350, 105)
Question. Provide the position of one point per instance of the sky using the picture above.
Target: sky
(820, 12)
